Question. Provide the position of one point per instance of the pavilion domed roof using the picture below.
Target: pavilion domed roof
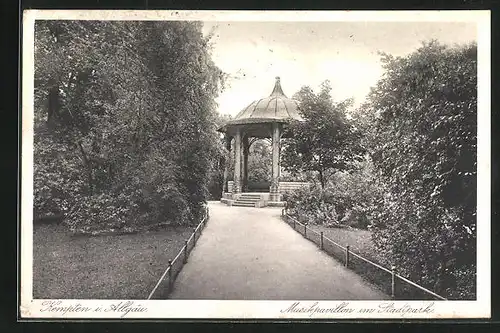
(275, 108)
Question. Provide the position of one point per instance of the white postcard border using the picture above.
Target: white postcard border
(190, 309)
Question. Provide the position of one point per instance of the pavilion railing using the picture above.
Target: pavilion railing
(388, 280)
(284, 186)
(165, 284)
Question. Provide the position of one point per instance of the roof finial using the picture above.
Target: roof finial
(277, 91)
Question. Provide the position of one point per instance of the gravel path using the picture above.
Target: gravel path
(250, 254)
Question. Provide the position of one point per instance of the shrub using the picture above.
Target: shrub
(100, 212)
(348, 200)
(58, 180)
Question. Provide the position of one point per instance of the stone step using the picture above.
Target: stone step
(247, 201)
(250, 196)
(243, 204)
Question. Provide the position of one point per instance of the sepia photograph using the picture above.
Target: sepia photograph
(255, 165)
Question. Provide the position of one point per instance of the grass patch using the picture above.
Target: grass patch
(101, 267)
(359, 241)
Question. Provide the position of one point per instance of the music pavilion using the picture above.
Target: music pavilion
(263, 118)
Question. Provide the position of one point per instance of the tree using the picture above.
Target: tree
(124, 121)
(424, 142)
(260, 162)
(326, 140)
(220, 161)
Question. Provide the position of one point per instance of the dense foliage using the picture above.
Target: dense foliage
(124, 122)
(260, 161)
(423, 142)
(328, 144)
(349, 200)
(326, 141)
(221, 159)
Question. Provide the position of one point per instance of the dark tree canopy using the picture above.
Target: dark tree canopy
(423, 141)
(124, 121)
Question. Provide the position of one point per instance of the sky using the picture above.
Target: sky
(307, 53)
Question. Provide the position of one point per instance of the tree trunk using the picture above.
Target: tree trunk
(321, 179)
(89, 168)
(53, 107)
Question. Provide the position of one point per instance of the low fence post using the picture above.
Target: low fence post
(170, 282)
(194, 235)
(347, 256)
(321, 240)
(393, 282)
(185, 251)
(305, 230)
(293, 224)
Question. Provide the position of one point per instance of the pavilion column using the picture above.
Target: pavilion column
(237, 162)
(245, 164)
(274, 191)
(226, 164)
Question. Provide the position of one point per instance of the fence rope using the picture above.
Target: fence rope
(203, 220)
(335, 243)
(420, 287)
(178, 255)
(370, 262)
(158, 283)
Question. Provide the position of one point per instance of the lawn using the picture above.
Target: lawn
(101, 267)
(359, 241)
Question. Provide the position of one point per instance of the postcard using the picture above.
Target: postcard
(255, 165)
